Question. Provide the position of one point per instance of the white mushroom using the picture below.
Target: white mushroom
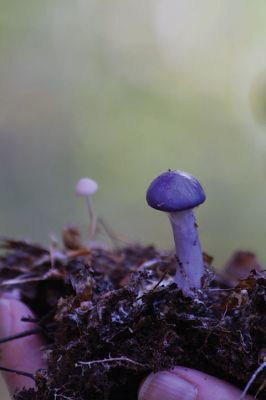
(87, 187)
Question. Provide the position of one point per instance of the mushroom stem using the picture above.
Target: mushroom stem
(188, 250)
(93, 217)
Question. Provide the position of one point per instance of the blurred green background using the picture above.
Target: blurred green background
(120, 91)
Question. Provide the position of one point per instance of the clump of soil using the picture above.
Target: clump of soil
(111, 316)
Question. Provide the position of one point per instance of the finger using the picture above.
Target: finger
(186, 384)
(21, 354)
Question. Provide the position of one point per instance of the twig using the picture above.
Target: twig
(11, 282)
(47, 316)
(29, 319)
(159, 282)
(30, 332)
(17, 372)
(220, 289)
(252, 379)
(56, 395)
(114, 237)
(109, 360)
(260, 389)
(154, 287)
(109, 232)
(52, 273)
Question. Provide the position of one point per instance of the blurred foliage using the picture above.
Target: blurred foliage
(121, 92)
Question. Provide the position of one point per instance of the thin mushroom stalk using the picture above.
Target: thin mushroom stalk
(178, 193)
(188, 250)
(93, 218)
(87, 187)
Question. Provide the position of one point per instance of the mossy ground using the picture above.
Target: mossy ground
(111, 316)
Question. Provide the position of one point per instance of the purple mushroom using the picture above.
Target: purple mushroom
(177, 193)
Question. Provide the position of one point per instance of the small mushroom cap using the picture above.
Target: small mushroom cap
(175, 191)
(86, 187)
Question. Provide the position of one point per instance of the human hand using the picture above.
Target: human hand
(25, 354)
(22, 354)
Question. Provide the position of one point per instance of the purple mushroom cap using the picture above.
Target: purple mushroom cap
(175, 191)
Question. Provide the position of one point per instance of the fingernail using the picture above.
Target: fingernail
(167, 386)
(5, 318)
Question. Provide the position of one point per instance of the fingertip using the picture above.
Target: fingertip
(186, 384)
(209, 387)
(166, 385)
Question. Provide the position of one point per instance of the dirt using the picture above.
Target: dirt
(112, 316)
